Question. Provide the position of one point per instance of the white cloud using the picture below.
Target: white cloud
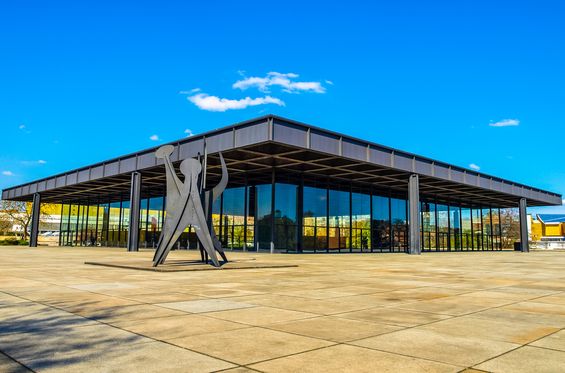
(22, 126)
(214, 103)
(505, 123)
(7, 173)
(281, 80)
(329, 82)
(154, 138)
(474, 167)
(188, 132)
(32, 163)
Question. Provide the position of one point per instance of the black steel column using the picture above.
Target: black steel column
(35, 212)
(414, 215)
(524, 226)
(134, 211)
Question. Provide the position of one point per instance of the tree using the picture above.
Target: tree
(19, 212)
(510, 227)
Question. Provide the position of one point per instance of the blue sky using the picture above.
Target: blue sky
(475, 83)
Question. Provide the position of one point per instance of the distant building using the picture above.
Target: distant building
(548, 227)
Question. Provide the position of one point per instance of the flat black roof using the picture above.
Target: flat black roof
(257, 145)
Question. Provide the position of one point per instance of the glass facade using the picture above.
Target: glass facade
(447, 227)
(297, 216)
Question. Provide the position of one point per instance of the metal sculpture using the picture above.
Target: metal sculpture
(184, 207)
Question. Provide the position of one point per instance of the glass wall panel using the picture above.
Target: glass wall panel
(286, 223)
(361, 221)
(442, 227)
(114, 224)
(154, 221)
(398, 210)
(124, 224)
(339, 220)
(72, 233)
(495, 218)
(466, 231)
(143, 226)
(233, 218)
(314, 221)
(250, 218)
(104, 221)
(510, 227)
(455, 227)
(428, 226)
(381, 223)
(263, 215)
(64, 230)
(91, 234)
(487, 230)
(477, 229)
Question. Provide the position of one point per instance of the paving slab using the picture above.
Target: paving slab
(205, 305)
(250, 345)
(334, 328)
(425, 344)
(260, 315)
(555, 341)
(167, 328)
(526, 360)
(351, 359)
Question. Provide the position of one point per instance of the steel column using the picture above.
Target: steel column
(134, 205)
(524, 226)
(35, 212)
(414, 215)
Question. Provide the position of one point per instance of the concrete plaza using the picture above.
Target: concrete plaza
(443, 312)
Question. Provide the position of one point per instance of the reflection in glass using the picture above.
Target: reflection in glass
(399, 224)
(233, 218)
(286, 232)
(314, 219)
(477, 229)
(360, 221)
(263, 215)
(381, 223)
(455, 227)
(339, 220)
(442, 227)
(466, 231)
(428, 226)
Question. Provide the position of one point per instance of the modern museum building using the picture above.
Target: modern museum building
(292, 188)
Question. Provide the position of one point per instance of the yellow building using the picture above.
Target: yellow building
(547, 227)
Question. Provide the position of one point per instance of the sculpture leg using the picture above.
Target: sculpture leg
(218, 245)
(208, 246)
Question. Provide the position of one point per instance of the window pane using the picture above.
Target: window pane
(442, 227)
(381, 223)
(399, 221)
(233, 218)
(314, 218)
(286, 233)
(455, 227)
(487, 230)
(339, 220)
(263, 215)
(429, 226)
(361, 221)
(477, 229)
(467, 240)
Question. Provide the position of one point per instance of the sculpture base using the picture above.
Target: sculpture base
(187, 265)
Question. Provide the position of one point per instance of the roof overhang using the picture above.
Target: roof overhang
(254, 147)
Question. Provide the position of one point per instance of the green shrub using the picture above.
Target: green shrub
(13, 242)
